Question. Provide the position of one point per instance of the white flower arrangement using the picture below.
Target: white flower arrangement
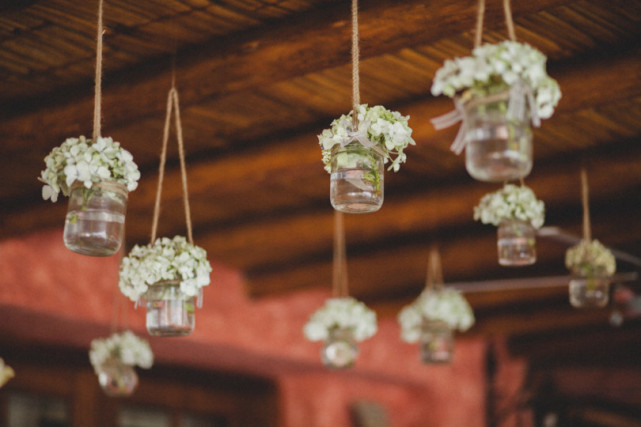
(341, 313)
(387, 130)
(587, 257)
(165, 259)
(80, 159)
(493, 68)
(446, 305)
(126, 347)
(511, 202)
(6, 373)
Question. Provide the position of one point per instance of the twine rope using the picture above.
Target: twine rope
(480, 14)
(434, 277)
(356, 96)
(587, 232)
(98, 79)
(340, 287)
(508, 20)
(172, 104)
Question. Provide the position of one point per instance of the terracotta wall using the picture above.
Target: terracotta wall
(262, 337)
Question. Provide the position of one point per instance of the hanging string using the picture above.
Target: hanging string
(508, 20)
(339, 280)
(479, 23)
(98, 79)
(434, 277)
(587, 232)
(356, 96)
(172, 104)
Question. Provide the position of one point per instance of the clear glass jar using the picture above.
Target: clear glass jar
(169, 312)
(356, 179)
(339, 350)
(497, 148)
(589, 290)
(95, 219)
(436, 342)
(516, 243)
(116, 378)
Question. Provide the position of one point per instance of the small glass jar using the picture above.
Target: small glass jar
(95, 219)
(516, 243)
(169, 312)
(436, 342)
(339, 350)
(356, 179)
(116, 378)
(589, 290)
(497, 148)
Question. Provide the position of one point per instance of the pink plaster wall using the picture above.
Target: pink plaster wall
(39, 273)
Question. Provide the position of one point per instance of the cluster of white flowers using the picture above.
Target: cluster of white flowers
(126, 346)
(165, 259)
(388, 130)
(342, 313)
(495, 67)
(6, 373)
(588, 256)
(80, 159)
(446, 305)
(511, 203)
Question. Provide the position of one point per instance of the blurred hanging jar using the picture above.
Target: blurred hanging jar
(114, 358)
(355, 158)
(498, 92)
(169, 275)
(517, 213)
(97, 177)
(436, 342)
(592, 265)
(339, 349)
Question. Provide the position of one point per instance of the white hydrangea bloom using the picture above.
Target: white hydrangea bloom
(388, 130)
(81, 160)
(343, 313)
(165, 259)
(494, 67)
(125, 346)
(511, 203)
(444, 304)
(588, 256)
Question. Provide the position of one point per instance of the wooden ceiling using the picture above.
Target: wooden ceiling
(258, 80)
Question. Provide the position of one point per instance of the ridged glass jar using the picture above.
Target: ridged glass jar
(516, 243)
(95, 219)
(436, 342)
(592, 290)
(169, 312)
(116, 378)
(356, 179)
(339, 350)
(497, 148)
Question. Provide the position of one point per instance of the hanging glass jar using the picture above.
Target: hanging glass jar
(169, 312)
(116, 378)
(95, 219)
(339, 350)
(589, 290)
(497, 148)
(516, 243)
(437, 342)
(356, 178)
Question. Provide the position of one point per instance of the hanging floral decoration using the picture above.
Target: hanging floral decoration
(165, 259)
(125, 347)
(511, 202)
(88, 162)
(437, 304)
(386, 131)
(341, 313)
(6, 373)
(589, 257)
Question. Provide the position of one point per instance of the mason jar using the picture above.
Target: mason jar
(436, 342)
(339, 350)
(497, 148)
(516, 243)
(116, 378)
(95, 219)
(356, 178)
(169, 312)
(589, 289)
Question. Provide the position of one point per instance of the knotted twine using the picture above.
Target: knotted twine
(516, 96)
(587, 232)
(98, 78)
(434, 277)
